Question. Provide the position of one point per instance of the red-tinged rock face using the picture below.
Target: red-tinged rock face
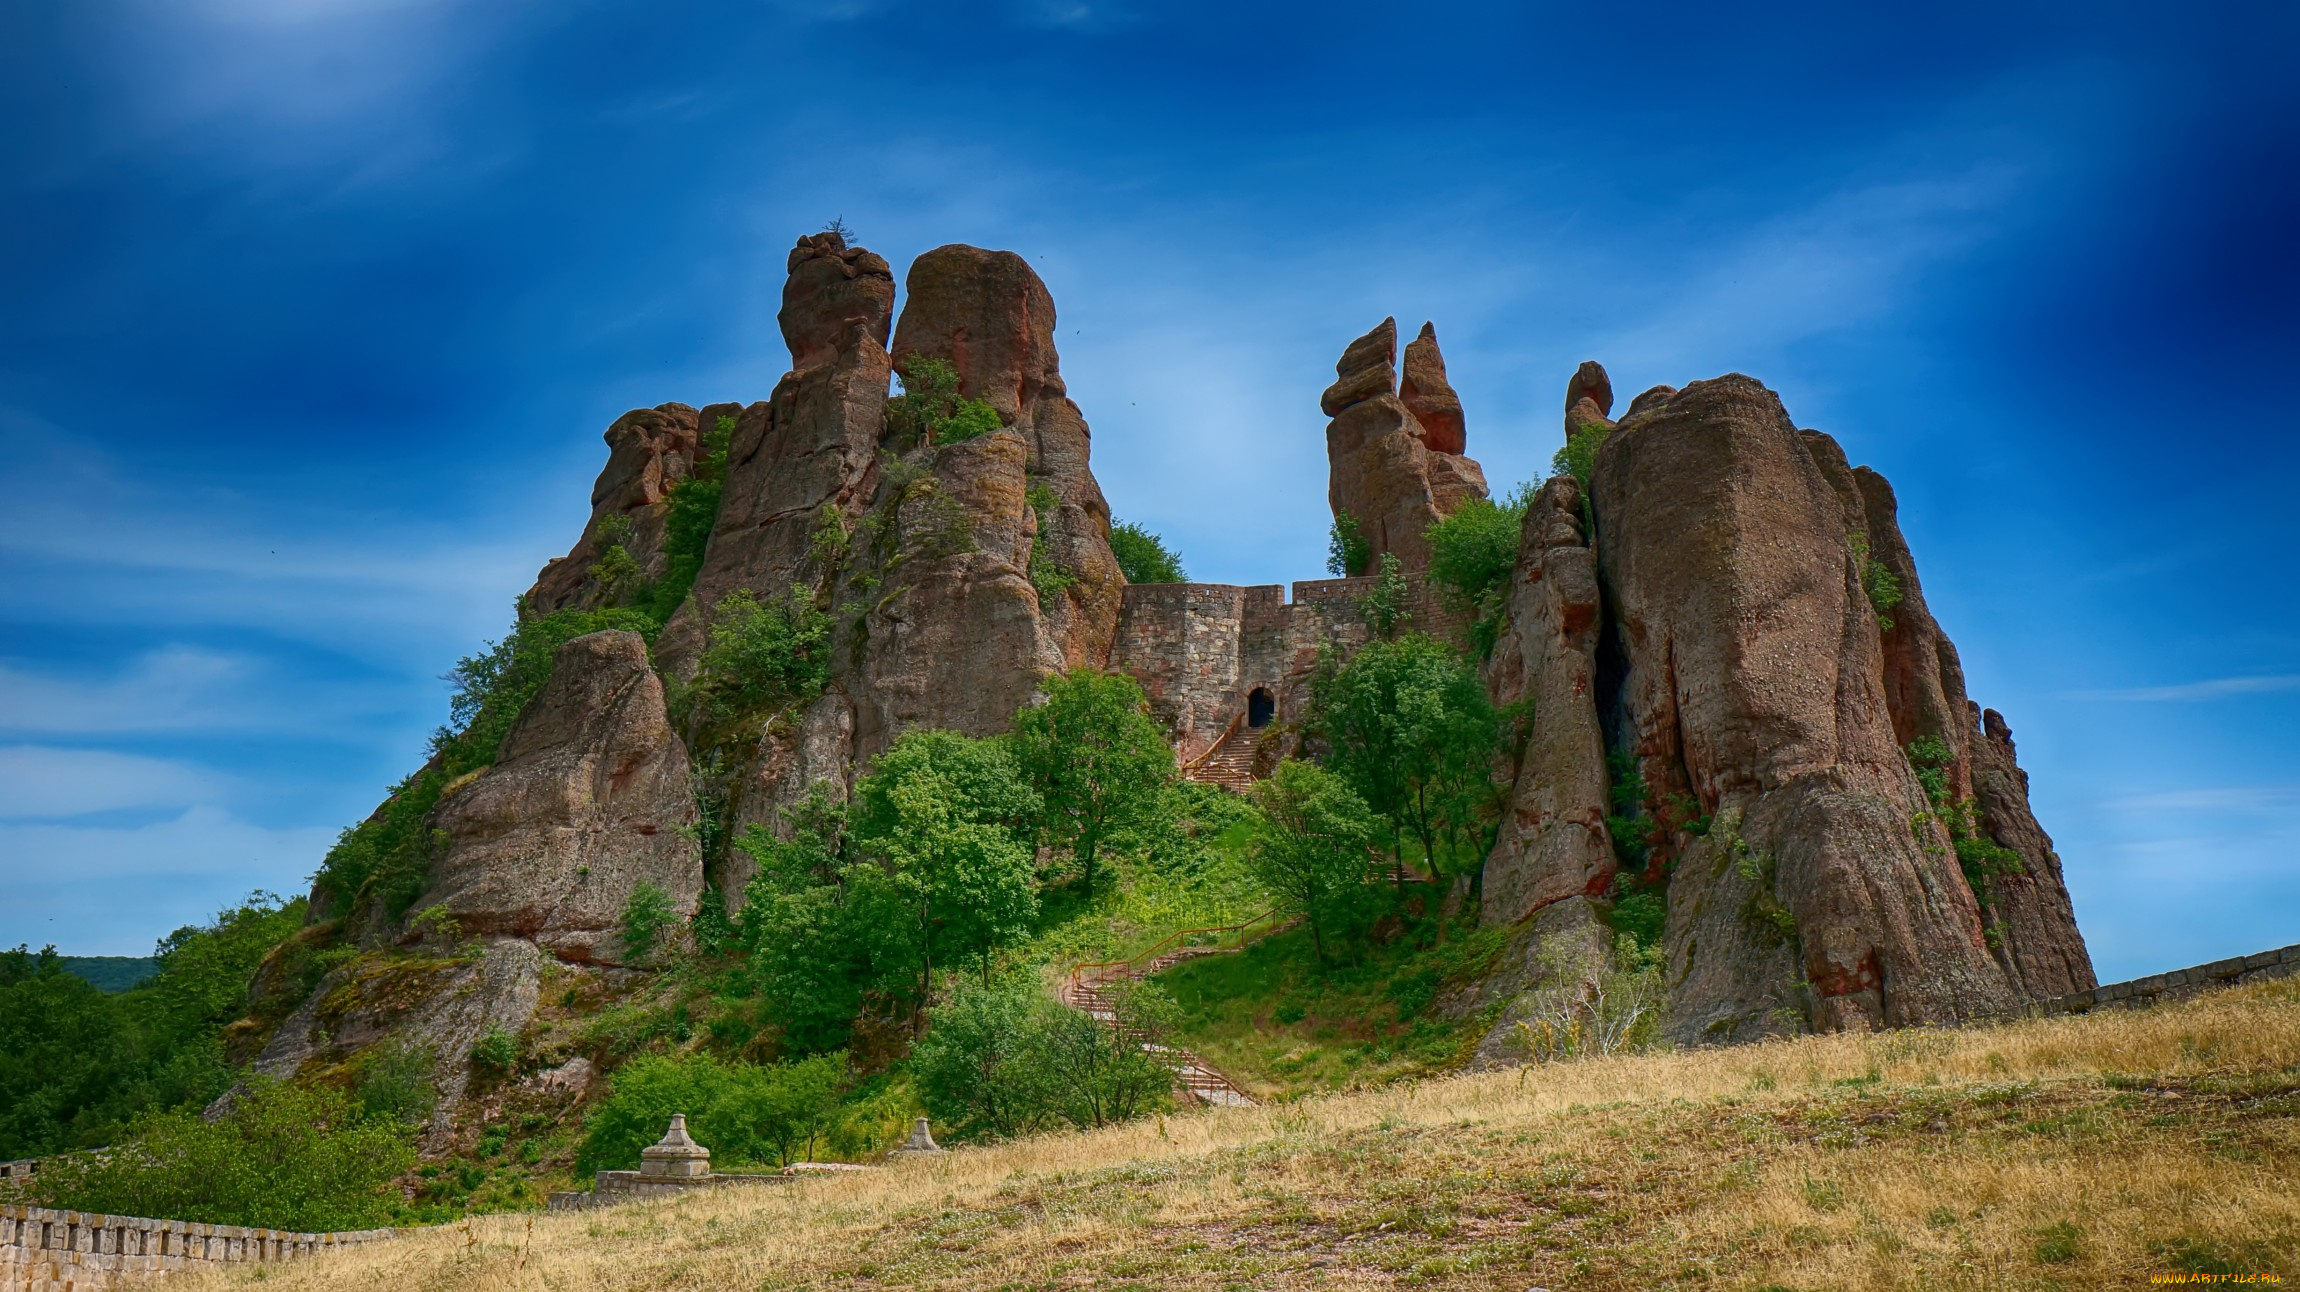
(1752, 687)
(583, 805)
(1590, 382)
(1429, 397)
(1384, 470)
(830, 286)
(648, 451)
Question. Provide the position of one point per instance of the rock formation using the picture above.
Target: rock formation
(1553, 842)
(1743, 665)
(807, 456)
(648, 451)
(1395, 475)
(589, 798)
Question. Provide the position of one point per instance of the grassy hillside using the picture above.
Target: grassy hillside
(2067, 1153)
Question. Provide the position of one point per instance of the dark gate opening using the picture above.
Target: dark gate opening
(1260, 708)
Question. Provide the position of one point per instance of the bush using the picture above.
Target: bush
(395, 1083)
(284, 1157)
(496, 1054)
(749, 1115)
(647, 915)
(1002, 1059)
(1143, 557)
(1047, 577)
(763, 659)
(930, 409)
(1579, 456)
(1880, 585)
(687, 527)
(1473, 557)
(1347, 552)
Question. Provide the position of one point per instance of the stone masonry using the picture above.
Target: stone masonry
(52, 1251)
(1200, 650)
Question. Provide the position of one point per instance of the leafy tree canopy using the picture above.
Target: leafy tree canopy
(1096, 758)
(1143, 556)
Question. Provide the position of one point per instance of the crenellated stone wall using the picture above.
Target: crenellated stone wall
(76, 1251)
(1200, 649)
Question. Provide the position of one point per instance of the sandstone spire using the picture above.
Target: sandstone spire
(1384, 469)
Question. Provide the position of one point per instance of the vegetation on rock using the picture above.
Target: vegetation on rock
(1143, 557)
(1473, 554)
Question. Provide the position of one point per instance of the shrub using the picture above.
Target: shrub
(1047, 577)
(647, 915)
(1579, 456)
(763, 659)
(496, 1054)
(747, 1114)
(1882, 586)
(930, 409)
(1143, 557)
(1000, 1059)
(687, 526)
(284, 1157)
(395, 1083)
(1473, 556)
(1384, 607)
(1347, 552)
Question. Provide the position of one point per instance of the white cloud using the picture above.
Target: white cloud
(2214, 688)
(38, 781)
(173, 689)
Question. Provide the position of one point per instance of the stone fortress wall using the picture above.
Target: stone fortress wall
(50, 1251)
(1200, 650)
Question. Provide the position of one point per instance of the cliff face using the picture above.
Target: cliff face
(1745, 668)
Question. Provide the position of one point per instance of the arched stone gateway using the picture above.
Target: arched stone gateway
(1261, 706)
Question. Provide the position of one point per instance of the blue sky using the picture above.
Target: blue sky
(315, 310)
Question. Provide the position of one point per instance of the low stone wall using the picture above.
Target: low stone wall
(2283, 962)
(613, 1188)
(74, 1251)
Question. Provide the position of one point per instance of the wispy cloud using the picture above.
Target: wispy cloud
(44, 782)
(2214, 688)
(176, 689)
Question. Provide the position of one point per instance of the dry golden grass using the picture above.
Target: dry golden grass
(2076, 1153)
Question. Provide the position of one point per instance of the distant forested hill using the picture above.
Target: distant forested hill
(112, 973)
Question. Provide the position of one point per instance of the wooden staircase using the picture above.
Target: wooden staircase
(1230, 762)
(1086, 989)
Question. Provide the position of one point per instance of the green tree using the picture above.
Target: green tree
(1412, 731)
(807, 956)
(1143, 557)
(284, 1157)
(1311, 845)
(931, 410)
(1347, 552)
(1384, 607)
(946, 889)
(1103, 1072)
(764, 658)
(1097, 760)
(977, 1068)
(747, 1114)
(1473, 559)
(647, 915)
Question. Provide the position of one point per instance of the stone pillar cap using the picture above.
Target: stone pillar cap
(675, 1146)
(921, 1139)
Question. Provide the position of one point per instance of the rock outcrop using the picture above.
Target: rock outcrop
(1589, 399)
(807, 456)
(1426, 393)
(648, 451)
(1395, 476)
(1552, 844)
(589, 798)
(1752, 693)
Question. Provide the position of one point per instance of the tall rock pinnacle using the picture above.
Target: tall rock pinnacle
(1388, 469)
